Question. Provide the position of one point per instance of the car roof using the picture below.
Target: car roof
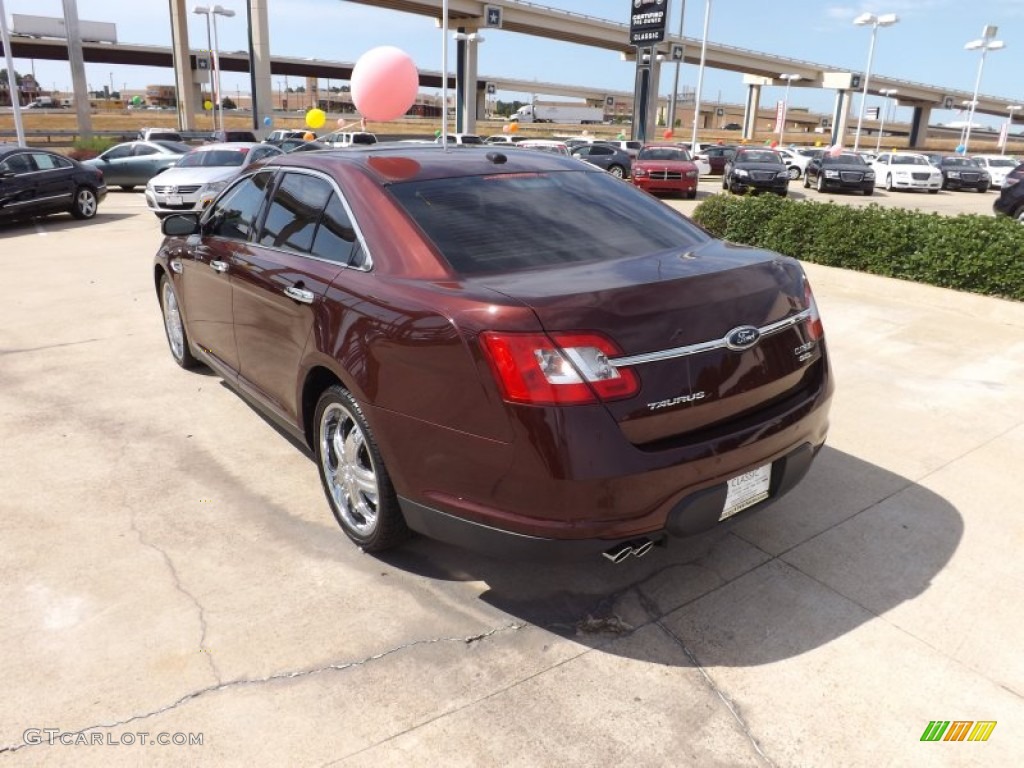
(396, 162)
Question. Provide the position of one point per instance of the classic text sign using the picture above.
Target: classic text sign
(647, 22)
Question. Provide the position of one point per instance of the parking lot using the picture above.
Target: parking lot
(171, 567)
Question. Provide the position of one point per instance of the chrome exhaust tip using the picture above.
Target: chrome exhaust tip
(642, 546)
(618, 553)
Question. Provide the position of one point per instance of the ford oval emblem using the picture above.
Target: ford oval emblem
(742, 338)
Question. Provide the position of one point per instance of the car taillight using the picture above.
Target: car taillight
(814, 327)
(1009, 181)
(560, 369)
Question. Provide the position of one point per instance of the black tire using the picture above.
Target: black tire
(352, 472)
(617, 171)
(691, 195)
(174, 326)
(84, 204)
(983, 189)
(807, 181)
(888, 183)
(821, 182)
(127, 187)
(724, 182)
(869, 191)
(933, 191)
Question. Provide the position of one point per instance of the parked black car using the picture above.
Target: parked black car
(959, 172)
(847, 172)
(34, 182)
(756, 170)
(1011, 198)
(222, 136)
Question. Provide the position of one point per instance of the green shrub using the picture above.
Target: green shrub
(85, 149)
(980, 254)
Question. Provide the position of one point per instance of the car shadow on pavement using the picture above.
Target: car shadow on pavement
(852, 542)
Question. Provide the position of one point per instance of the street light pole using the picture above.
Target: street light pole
(214, 11)
(985, 44)
(1009, 124)
(700, 74)
(679, 63)
(12, 85)
(887, 92)
(785, 106)
(885, 20)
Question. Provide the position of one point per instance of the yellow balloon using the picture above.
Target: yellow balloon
(207, 104)
(316, 118)
(817, 143)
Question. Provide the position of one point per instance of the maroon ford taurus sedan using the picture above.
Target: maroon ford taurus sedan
(506, 350)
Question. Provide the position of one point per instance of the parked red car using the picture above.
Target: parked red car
(506, 350)
(665, 168)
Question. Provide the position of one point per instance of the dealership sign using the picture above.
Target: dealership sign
(647, 22)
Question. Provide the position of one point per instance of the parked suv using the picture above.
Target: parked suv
(1011, 198)
(230, 136)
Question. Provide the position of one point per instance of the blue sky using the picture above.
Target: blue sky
(926, 46)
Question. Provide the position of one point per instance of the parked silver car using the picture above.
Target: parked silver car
(201, 174)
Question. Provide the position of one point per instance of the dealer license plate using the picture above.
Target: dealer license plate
(746, 490)
(174, 199)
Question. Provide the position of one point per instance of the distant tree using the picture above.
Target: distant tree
(300, 89)
(228, 103)
(3, 77)
(506, 108)
(345, 88)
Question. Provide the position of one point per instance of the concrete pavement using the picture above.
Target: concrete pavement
(170, 566)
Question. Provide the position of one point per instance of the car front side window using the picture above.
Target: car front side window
(234, 216)
(294, 212)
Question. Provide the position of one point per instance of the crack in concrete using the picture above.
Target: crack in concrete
(59, 344)
(178, 585)
(279, 676)
(730, 705)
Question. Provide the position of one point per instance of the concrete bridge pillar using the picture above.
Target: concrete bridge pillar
(919, 126)
(841, 115)
(750, 111)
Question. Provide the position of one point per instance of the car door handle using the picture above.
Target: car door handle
(299, 294)
(219, 266)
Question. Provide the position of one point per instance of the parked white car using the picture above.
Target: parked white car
(348, 139)
(796, 162)
(545, 145)
(906, 170)
(997, 166)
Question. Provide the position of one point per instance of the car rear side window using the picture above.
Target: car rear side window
(234, 216)
(294, 212)
(336, 237)
(512, 222)
(48, 162)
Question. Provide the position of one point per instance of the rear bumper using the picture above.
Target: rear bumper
(694, 513)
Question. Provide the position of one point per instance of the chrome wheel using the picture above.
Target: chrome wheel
(348, 470)
(172, 321)
(617, 171)
(794, 173)
(85, 204)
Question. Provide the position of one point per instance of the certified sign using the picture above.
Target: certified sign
(647, 22)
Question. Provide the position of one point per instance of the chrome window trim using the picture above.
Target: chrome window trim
(705, 346)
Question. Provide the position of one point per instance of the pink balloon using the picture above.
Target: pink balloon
(836, 150)
(384, 83)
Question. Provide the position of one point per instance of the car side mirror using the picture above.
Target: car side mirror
(180, 225)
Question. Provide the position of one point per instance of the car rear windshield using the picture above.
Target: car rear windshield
(364, 138)
(909, 160)
(174, 146)
(959, 161)
(213, 157)
(517, 221)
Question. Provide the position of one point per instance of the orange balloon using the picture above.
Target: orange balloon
(308, 136)
(668, 133)
(513, 128)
